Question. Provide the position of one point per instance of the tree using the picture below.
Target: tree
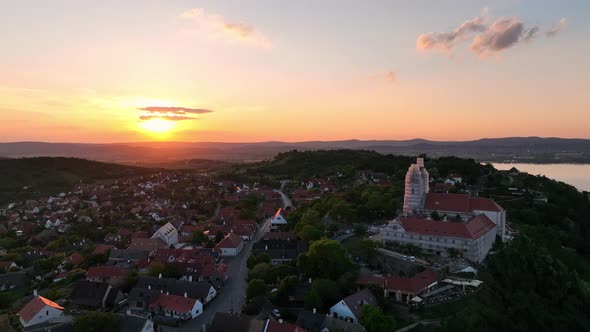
(310, 233)
(323, 294)
(374, 320)
(259, 271)
(256, 287)
(94, 321)
(434, 215)
(325, 259)
(199, 237)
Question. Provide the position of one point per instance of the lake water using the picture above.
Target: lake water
(574, 174)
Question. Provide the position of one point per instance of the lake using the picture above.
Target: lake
(577, 175)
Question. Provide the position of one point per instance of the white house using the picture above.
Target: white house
(168, 234)
(278, 220)
(135, 324)
(39, 310)
(179, 307)
(351, 307)
(231, 245)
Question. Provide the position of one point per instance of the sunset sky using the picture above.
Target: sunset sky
(229, 71)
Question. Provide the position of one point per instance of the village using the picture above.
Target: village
(181, 251)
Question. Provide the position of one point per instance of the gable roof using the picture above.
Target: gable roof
(34, 306)
(230, 241)
(147, 244)
(414, 284)
(274, 326)
(278, 218)
(356, 301)
(223, 322)
(194, 289)
(106, 272)
(473, 229)
(174, 303)
(461, 203)
(89, 293)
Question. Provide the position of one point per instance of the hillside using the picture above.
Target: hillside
(47, 175)
(511, 149)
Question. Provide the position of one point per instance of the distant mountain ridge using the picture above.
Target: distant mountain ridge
(532, 149)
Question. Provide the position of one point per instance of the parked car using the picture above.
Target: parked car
(276, 313)
(412, 259)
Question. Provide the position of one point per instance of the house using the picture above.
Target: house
(135, 324)
(94, 294)
(8, 265)
(178, 307)
(167, 233)
(39, 310)
(278, 220)
(200, 290)
(147, 245)
(402, 289)
(231, 245)
(281, 326)
(74, 259)
(127, 257)
(114, 275)
(224, 322)
(280, 250)
(350, 308)
(102, 249)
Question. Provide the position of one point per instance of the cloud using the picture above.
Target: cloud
(503, 33)
(446, 41)
(175, 110)
(486, 39)
(390, 76)
(170, 113)
(220, 28)
(556, 28)
(166, 117)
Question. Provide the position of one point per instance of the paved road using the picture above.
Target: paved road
(286, 201)
(232, 296)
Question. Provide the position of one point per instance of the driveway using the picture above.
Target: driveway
(232, 296)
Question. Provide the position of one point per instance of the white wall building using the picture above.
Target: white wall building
(167, 233)
(417, 186)
(39, 310)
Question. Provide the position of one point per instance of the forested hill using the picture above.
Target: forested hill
(49, 175)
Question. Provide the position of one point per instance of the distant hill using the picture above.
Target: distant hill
(511, 149)
(47, 175)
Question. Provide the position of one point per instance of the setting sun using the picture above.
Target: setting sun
(157, 125)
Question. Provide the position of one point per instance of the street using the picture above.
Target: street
(232, 296)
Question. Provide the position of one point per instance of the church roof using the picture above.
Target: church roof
(473, 229)
(460, 203)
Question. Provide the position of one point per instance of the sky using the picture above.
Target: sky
(244, 71)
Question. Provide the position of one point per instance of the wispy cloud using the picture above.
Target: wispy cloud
(218, 27)
(556, 28)
(166, 117)
(170, 113)
(487, 39)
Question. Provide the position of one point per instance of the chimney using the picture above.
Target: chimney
(167, 293)
(266, 247)
(314, 310)
(35, 292)
(149, 286)
(185, 294)
(190, 278)
(280, 321)
(160, 276)
(309, 280)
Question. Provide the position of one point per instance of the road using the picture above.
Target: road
(232, 296)
(286, 201)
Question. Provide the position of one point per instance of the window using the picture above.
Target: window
(47, 313)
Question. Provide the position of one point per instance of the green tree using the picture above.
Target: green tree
(199, 237)
(325, 259)
(94, 321)
(374, 320)
(256, 287)
(310, 233)
(259, 271)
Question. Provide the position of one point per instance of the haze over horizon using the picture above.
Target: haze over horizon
(211, 71)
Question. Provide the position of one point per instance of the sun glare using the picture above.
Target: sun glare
(157, 125)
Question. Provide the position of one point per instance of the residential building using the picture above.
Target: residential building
(350, 308)
(167, 233)
(231, 245)
(39, 310)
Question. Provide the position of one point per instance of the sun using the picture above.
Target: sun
(158, 126)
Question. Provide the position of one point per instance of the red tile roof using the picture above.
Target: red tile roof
(274, 326)
(174, 303)
(415, 284)
(102, 249)
(368, 279)
(230, 241)
(459, 203)
(106, 272)
(37, 304)
(473, 229)
(75, 259)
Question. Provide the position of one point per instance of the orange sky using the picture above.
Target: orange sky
(75, 74)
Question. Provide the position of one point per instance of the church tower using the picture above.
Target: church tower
(417, 186)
